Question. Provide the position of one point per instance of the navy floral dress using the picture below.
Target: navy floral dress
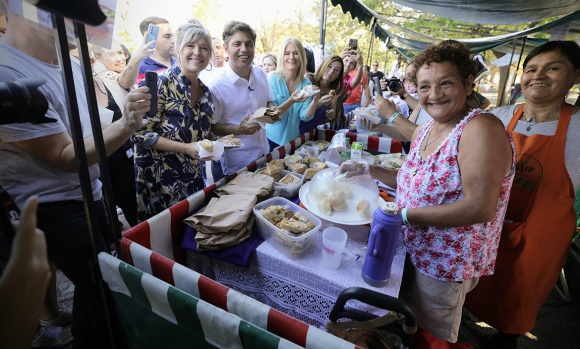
(165, 178)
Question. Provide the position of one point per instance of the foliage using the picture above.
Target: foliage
(301, 19)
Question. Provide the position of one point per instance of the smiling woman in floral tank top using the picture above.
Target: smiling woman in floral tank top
(452, 190)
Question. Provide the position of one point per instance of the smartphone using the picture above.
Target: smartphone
(9, 212)
(152, 33)
(377, 87)
(151, 82)
(353, 44)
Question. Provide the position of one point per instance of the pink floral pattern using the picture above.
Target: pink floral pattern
(447, 254)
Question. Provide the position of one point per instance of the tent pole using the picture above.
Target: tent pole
(518, 66)
(371, 41)
(507, 74)
(64, 60)
(324, 5)
(386, 54)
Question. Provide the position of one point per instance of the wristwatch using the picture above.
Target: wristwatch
(402, 96)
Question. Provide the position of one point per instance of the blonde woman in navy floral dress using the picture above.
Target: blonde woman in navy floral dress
(167, 163)
(452, 190)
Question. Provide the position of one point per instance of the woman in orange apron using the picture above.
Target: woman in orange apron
(540, 219)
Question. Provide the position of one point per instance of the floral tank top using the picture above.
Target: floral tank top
(447, 254)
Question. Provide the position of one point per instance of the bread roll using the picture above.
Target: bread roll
(363, 208)
(207, 145)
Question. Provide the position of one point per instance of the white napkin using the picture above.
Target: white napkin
(216, 154)
(308, 91)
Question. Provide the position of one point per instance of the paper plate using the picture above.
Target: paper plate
(348, 217)
(228, 146)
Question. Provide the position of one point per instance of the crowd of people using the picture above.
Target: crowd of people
(486, 196)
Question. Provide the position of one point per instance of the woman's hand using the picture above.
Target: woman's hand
(386, 108)
(192, 149)
(137, 104)
(144, 49)
(359, 59)
(372, 127)
(298, 97)
(330, 114)
(355, 54)
(323, 101)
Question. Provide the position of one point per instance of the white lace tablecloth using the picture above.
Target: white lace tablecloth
(300, 288)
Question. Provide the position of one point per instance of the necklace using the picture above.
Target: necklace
(291, 83)
(427, 143)
(530, 119)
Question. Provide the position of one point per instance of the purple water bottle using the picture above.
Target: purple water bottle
(383, 240)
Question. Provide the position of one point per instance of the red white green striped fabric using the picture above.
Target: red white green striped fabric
(249, 309)
(158, 315)
(372, 143)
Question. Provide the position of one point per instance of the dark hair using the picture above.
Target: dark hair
(310, 65)
(236, 26)
(568, 49)
(447, 51)
(144, 25)
(338, 84)
(127, 53)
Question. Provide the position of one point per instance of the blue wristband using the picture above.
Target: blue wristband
(404, 215)
(393, 117)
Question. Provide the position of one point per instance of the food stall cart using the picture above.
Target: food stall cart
(301, 290)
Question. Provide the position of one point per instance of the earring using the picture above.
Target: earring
(210, 67)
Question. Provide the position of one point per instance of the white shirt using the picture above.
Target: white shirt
(234, 98)
(208, 76)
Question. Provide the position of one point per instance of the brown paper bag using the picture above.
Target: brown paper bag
(208, 240)
(248, 183)
(265, 115)
(224, 214)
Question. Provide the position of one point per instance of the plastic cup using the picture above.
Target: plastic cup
(333, 242)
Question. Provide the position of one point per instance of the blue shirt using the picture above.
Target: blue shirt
(149, 64)
(286, 130)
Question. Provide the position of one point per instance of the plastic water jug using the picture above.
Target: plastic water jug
(383, 240)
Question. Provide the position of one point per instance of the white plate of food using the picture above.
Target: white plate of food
(348, 216)
(230, 141)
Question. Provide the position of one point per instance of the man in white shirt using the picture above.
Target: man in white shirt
(237, 93)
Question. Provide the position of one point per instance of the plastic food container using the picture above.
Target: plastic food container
(291, 246)
(289, 190)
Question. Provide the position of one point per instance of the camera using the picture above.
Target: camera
(20, 101)
(394, 84)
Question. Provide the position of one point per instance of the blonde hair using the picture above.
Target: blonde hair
(301, 52)
(192, 31)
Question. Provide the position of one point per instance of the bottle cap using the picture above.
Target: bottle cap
(390, 207)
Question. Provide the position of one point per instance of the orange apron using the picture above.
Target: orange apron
(532, 249)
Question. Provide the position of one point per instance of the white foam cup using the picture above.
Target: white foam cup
(333, 242)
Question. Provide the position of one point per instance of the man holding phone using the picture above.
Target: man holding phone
(376, 73)
(164, 55)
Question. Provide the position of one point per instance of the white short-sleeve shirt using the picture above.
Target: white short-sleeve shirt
(234, 98)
